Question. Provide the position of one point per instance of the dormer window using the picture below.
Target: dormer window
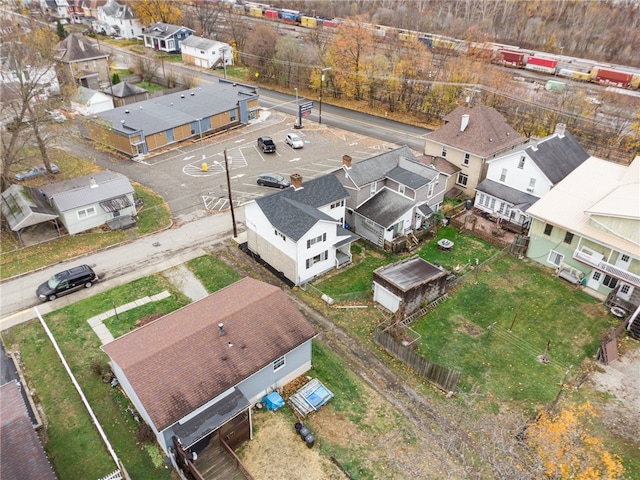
(444, 152)
(521, 162)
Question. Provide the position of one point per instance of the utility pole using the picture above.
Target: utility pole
(233, 215)
(321, 88)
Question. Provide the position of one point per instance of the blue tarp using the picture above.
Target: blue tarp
(273, 401)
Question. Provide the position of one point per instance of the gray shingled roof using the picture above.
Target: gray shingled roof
(113, 9)
(557, 156)
(180, 362)
(293, 212)
(78, 192)
(163, 113)
(499, 190)
(124, 89)
(76, 48)
(486, 134)
(378, 167)
(385, 207)
(164, 30)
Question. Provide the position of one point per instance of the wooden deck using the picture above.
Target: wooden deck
(214, 463)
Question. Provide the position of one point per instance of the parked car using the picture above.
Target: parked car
(36, 172)
(293, 140)
(266, 144)
(272, 180)
(67, 281)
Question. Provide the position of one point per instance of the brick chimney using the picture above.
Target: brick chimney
(464, 123)
(346, 161)
(296, 181)
(560, 129)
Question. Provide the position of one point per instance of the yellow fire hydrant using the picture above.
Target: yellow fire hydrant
(205, 167)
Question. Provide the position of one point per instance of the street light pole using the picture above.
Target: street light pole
(321, 85)
(298, 114)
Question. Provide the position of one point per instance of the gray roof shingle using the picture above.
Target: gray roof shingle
(522, 200)
(378, 167)
(557, 156)
(385, 207)
(293, 212)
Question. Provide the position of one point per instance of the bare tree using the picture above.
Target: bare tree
(260, 50)
(29, 69)
(207, 14)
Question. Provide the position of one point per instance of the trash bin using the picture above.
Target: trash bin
(298, 426)
(304, 431)
(310, 440)
(468, 204)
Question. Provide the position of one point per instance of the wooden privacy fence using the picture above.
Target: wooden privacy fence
(444, 378)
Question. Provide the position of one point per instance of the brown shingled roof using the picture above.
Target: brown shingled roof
(180, 361)
(22, 455)
(76, 48)
(486, 134)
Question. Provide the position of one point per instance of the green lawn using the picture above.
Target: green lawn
(74, 445)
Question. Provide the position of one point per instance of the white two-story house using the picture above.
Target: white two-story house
(299, 231)
(117, 19)
(206, 53)
(588, 229)
(516, 180)
(389, 194)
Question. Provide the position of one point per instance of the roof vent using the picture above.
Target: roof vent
(192, 94)
(126, 111)
(181, 96)
(464, 122)
(93, 183)
(491, 139)
(140, 107)
(230, 344)
(221, 329)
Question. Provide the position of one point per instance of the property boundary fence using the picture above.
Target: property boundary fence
(446, 379)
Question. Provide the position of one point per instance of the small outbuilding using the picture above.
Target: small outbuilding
(408, 284)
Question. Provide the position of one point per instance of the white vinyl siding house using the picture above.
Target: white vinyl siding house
(206, 53)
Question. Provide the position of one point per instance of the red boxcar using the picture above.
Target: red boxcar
(271, 14)
(330, 23)
(512, 58)
(616, 77)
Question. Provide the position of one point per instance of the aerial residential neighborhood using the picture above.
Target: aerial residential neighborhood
(244, 241)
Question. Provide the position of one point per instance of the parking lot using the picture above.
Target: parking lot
(192, 191)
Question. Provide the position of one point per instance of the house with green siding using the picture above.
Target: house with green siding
(587, 228)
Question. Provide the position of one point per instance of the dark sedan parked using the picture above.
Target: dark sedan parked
(272, 180)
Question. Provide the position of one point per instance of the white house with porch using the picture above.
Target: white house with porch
(206, 53)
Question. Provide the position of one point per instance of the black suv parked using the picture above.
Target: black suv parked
(66, 282)
(266, 144)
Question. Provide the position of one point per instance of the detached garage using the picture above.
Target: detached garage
(408, 284)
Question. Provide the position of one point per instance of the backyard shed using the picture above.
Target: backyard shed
(410, 283)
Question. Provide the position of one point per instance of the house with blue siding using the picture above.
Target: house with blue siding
(195, 374)
(165, 37)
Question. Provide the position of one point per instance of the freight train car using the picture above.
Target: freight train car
(541, 64)
(611, 77)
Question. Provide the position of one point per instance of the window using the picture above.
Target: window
(463, 178)
(318, 258)
(596, 276)
(609, 281)
(374, 187)
(278, 364)
(625, 258)
(401, 189)
(568, 238)
(625, 289)
(555, 258)
(170, 137)
(532, 184)
(337, 204)
(521, 163)
(318, 239)
(87, 212)
(444, 152)
(281, 235)
(493, 203)
(548, 229)
(430, 191)
(503, 175)
(232, 116)
(466, 159)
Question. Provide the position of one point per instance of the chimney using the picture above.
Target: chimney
(346, 161)
(93, 183)
(560, 129)
(465, 122)
(296, 181)
(221, 329)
